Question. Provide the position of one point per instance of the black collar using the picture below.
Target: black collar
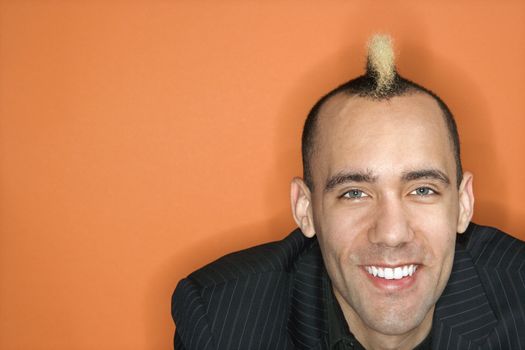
(339, 335)
(463, 311)
(307, 324)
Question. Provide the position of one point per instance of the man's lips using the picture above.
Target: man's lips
(392, 278)
(391, 272)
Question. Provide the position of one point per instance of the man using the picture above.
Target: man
(385, 256)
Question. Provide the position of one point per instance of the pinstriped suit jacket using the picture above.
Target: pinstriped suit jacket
(271, 297)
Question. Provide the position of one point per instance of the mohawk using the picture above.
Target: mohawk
(380, 64)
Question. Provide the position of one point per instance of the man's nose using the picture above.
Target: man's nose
(391, 227)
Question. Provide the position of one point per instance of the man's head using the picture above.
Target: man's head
(380, 82)
(385, 195)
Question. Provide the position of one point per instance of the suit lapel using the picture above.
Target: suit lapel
(463, 316)
(307, 324)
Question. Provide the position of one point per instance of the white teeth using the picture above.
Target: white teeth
(398, 273)
(381, 273)
(392, 273)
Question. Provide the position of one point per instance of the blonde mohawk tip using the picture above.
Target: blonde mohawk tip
(381, 62)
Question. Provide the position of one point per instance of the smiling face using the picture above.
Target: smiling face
(385, 208)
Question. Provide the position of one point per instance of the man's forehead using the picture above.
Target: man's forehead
(347, 106)
(362, 118)
(393, 136)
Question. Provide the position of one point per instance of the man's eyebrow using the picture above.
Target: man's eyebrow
(345, 177)
(426, 174)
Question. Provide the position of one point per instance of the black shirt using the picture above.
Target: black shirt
(339, 335)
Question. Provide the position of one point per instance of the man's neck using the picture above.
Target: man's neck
(373, 340)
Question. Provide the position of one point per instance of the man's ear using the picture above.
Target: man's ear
(466, 202)
(302, 206)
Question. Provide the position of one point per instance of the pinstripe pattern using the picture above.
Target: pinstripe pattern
(271, 297)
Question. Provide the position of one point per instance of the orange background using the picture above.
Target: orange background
(142, 139)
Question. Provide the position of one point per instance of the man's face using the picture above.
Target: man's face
(385, 208)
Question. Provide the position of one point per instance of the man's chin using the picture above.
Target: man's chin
(399, 321)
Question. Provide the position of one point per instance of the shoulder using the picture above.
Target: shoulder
(491, 248)
(241, 300)
(273, 257)
(499, 260)
(483, 303)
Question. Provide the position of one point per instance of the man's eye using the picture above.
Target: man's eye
(423, 191)
(354, 194)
